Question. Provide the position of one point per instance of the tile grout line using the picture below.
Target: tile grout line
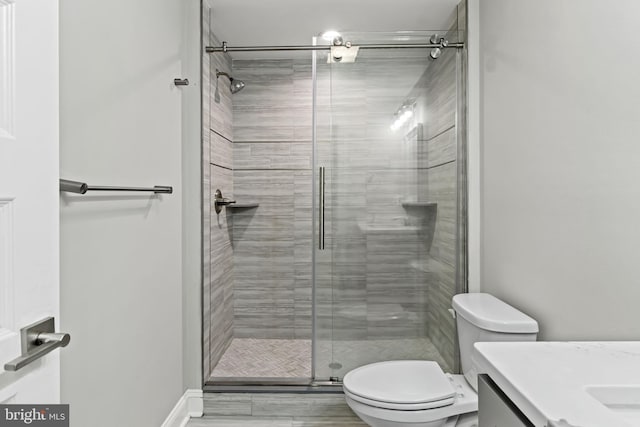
(222, 167)
(438, 134)
(220, 135)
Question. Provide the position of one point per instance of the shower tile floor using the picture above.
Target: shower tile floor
(265, 358)
(291, 358)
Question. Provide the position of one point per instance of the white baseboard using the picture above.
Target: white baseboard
(190, 405)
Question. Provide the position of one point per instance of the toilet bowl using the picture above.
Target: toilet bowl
(413, 393)
(417, 393)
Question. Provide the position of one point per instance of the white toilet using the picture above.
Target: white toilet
(418, 393)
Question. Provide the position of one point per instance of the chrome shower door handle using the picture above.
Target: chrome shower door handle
(38, 339)
(321, 179)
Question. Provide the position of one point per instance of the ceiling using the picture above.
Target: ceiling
(294, 22)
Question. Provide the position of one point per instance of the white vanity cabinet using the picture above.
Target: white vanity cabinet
(543, 384)
(495, 409)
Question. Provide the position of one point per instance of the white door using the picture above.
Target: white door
(29, 284)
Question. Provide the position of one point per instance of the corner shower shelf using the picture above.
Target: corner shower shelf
(237, 206)
(413, 204)
(391, 228)
(428, 265)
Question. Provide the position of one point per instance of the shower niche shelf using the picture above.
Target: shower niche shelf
(390, 228)
(238, 206)
(428, 265)
(414, 204)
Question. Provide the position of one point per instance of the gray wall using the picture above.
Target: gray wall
(121, 269)
(192, 257)
(560, 163)
(217, 164)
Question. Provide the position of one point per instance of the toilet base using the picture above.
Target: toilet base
(376, 422)
(378, 417)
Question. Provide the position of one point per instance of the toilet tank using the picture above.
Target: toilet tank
(484, 318)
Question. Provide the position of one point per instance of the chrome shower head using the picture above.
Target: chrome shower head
(234, 85)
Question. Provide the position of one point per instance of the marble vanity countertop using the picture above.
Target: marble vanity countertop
(567, 384)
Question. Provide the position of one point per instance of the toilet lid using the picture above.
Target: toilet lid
(403, 382)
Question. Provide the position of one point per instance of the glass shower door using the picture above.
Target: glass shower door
(386, 174)
(323, 368)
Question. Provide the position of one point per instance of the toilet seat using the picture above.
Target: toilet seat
(465, 402)
(406, 385)
(400, 406)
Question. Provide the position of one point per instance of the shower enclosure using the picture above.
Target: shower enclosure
(342, 237)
